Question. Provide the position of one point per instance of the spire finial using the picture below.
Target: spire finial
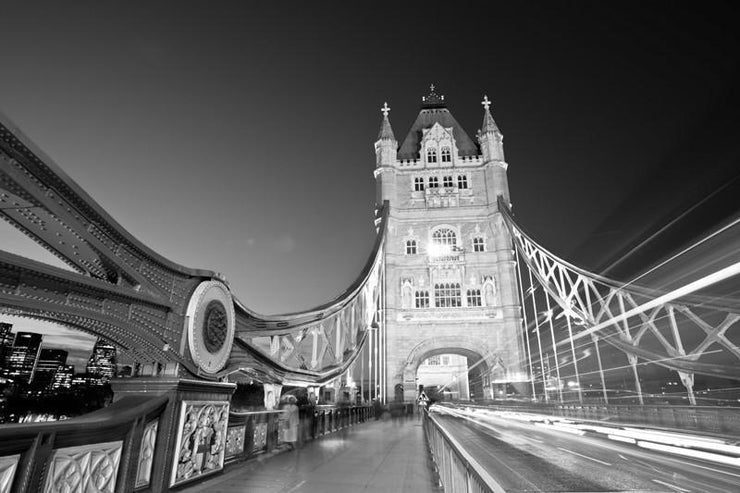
(431, 87)
(486, 103)
(385, 109)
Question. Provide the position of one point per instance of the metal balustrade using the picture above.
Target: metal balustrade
(458, 472)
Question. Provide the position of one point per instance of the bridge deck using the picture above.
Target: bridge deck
(380, 456)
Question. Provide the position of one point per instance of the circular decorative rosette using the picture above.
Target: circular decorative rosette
(210, 324)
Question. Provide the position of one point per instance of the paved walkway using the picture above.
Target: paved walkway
(379, 456)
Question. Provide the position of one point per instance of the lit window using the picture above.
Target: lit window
(479, 245)
(444, 237)
(447, 295)
(418, 184)
(433, 182)
(411, 247)
(446, 155)
(462, 181)
(474, 298)
(422, 299)
(447, 182)
(431, 155)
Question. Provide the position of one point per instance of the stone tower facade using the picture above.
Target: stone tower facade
(450, 274)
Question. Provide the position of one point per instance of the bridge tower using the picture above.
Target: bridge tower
(450, 278)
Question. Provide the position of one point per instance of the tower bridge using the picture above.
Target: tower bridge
(451, 273)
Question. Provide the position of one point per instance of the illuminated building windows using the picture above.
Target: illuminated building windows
(445, 237)
(473, 296)
(421, 299)
(479, 244)
(447, 295)
(410, 247)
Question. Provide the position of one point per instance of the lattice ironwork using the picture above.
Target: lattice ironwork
(126, 293)
(672, 330)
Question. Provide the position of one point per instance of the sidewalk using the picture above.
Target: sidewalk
(379, 456)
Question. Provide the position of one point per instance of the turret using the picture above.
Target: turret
(386, 151)
(492, 147)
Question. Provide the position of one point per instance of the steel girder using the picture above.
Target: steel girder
(686, 334)
(123, 291)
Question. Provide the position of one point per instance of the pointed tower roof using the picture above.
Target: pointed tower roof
(386, 132)
(489, 125)
(434, 110)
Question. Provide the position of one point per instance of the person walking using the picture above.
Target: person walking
(292, 420)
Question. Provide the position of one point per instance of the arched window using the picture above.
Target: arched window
(411, 247)
(462, 181)
(421, 299)
(447, 181)
(474, 298)
(446, 156)
(479, 244)
(418, 184)
(444, 237)
(433, 182)
(447, 295)
(431, 155)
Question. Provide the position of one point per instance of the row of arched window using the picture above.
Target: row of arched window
(445, 237)
(447, 295)
(447, 182)
(445, 155)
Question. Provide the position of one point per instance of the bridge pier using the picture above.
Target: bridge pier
(189, 436)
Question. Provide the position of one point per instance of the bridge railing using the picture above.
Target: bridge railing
(456, 469)
(108, 450)
(256, 432)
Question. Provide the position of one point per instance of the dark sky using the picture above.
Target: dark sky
(237, 136)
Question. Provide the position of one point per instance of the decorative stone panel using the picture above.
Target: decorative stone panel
(235, 441)
(84, 468)
(146, 454)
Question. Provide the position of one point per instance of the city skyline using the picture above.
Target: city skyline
(78, 344)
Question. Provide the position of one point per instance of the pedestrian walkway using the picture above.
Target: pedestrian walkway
(379, 456)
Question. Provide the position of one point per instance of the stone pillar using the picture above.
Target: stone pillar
(193, 405)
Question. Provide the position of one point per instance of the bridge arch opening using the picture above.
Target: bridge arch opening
(452, 368)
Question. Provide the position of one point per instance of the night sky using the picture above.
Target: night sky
(238, 136)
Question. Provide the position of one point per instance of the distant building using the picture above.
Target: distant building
(6, 344)
(49, 362)
(63, 377)
(447, 374)
(102, 362)
(23, 356)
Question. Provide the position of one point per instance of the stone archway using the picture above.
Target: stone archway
(472, 348)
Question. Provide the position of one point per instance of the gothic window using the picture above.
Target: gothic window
(445, 237)
(446, 156)
(410, 247)
(447, 182)
(418, 184)
(462, 181)
(433, 182)
(421, 299)
(431, 155)
(447, 295)
(474, 298)
(479, 244)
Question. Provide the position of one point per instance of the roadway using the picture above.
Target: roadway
(526, 456)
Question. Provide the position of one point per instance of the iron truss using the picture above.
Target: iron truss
(681, 332)
(121, 290)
